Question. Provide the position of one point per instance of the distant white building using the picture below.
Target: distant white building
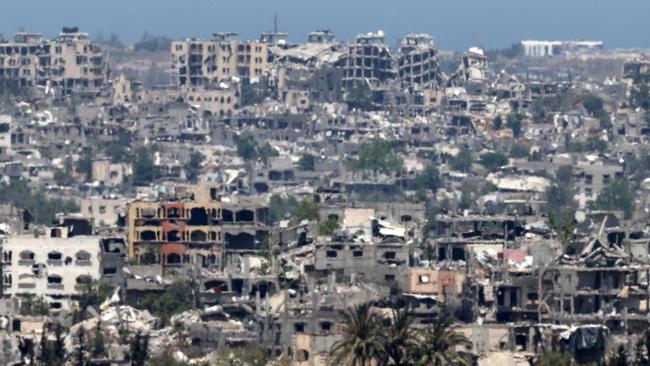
(49, 266)
(533, 48)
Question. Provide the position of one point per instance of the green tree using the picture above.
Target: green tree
(80, 350)
(514, 122)
(492, 161)
(99, 347)
(462, 162)
(252, 93)
(564, 174)
(379, 156)
(176, 298)
(359, 96)
(361, 343)
(616, 196)
(519, 151)
(266, 151)
(85, 163)
(90, 293)
(439, 343)
(194, 166)
(466, 199)
(563, 225)
(498, 122)
(307, 162)
(249, 356)
(59, 344)
(139, 349)
(619, 358)
(329, 227)
(41, 207)
(62, 178)
(247, 148)
(428, 179)
(400, 342)
(144, 170)
(32, 305)
(49, 353)
(555, 359)
(281, 208)
(593, 104)
(165, 359)
(307, 210)
(117, 152)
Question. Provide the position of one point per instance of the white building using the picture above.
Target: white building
(533, 48)
(49, 267)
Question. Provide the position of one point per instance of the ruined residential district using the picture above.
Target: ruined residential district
(223, 201)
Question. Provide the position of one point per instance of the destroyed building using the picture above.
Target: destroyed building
(368, 59)
(198, 62)
(68, 62)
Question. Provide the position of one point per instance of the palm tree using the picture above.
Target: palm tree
(399, 338)
(438, 345)
(361, 341)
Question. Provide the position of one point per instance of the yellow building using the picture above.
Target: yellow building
(184, 230)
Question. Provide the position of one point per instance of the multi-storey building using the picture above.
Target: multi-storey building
(368, 59)
(70, 61)
(418, 62)
(321, 36)
(50, 266)
(200, 62)
(592, 176)
(182, 230)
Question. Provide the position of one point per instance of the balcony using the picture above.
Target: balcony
(83, 262)
(55, 286)
(26, 262)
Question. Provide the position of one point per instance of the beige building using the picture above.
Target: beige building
(70, 61)
(126, 91)
(200, 62)
(313, 349)
(104, 211)
(110, 173)
(217, 101)
(441, 283)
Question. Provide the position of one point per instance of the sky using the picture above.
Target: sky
(455, 24)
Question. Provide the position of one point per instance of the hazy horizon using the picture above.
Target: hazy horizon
(455, 25)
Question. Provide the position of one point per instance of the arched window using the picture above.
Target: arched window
(198, 235)
(148, 235)
(173, 235)
(173, 258)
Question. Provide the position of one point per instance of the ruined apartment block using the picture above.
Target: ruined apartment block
(70, 61)
(418, 62)
(368, 59)
(198, 62)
